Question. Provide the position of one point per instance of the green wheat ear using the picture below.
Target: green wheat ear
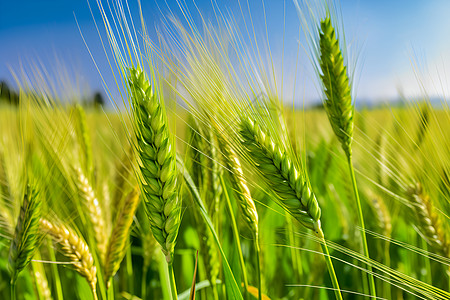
(281, 175)
(336, 83)
(26, 235)
(157, 162)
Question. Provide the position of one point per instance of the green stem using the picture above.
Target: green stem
(54, 268)
(144, 283)
(337, 290)
(215, 291)
(426, 261)
(13, 290)
(448, 276)
(129, 270)
(164, 277)
(258, 265)
(387, 260)
(296, 261)
(111, 290)
(236, 237)
(100, 280)
(363, 227)
(173, 287)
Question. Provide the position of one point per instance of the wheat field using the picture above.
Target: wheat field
(202, 182)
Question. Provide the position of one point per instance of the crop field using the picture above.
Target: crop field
(202, 182)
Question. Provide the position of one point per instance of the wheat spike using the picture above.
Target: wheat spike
(74, 248)
(429, 221)
(281, 175)
(6, 218)
(94, 209)
(25, 238)
(336, 83)
(245, 200)
(120, 234)
(157, 163)
(214, 187)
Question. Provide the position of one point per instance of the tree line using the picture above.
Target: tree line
(10, 96)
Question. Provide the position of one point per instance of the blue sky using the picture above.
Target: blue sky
(392, 36)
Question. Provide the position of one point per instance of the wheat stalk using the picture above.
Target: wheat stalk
(157, 163)
(75, 249)
(120, 234)
(25, 238)
(340, 111)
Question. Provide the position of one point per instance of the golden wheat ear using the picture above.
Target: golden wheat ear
(120, 234)
(26, 237)
(239, 183)
(94, 211)
(75, 249)
(428, 220)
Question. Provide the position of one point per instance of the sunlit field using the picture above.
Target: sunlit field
(199, 179)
